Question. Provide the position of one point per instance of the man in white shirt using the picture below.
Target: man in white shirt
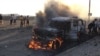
(14, 17)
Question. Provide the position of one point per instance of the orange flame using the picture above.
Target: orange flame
(34, 44)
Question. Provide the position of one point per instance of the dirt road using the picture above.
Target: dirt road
(13, 43)
(88, 48)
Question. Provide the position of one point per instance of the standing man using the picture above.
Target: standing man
(21, 21)
(99, 26)
(11, 19)
(24, 19)
(1, 19)
(95, 26)
(27, 20)
(14, 18)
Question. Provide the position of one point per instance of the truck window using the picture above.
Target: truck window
(75, 23)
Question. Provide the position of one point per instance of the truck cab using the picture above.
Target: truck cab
(53, 33)
(69, 26)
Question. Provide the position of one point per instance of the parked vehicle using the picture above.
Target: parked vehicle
(53, 33)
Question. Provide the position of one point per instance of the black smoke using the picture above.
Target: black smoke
(54, 9)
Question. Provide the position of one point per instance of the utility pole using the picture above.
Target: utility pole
(89, 12)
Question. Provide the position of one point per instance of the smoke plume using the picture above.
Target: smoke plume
(54, 9)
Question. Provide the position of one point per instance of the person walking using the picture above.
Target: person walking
(14, 18)
(24, 21)
(90, 27)
(95, 26)
(27, 20)
(21, 21)
(1, 20)
(11, 19)
(99, 26)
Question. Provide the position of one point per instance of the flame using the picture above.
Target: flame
(34, 44)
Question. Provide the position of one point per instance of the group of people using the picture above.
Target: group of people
(94, 26)
(13, 19)
(24, 20)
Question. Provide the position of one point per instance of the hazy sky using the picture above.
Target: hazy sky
(30, 7)
(25, 7)
(95, 8)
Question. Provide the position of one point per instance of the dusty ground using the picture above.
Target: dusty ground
(88, 48)
(13, 42)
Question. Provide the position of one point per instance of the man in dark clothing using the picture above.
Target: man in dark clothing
(27, 20)
(95, 26)
(11, 19)
(90, 27)
(0, 19)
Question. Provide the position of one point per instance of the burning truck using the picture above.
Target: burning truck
(55, 32)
